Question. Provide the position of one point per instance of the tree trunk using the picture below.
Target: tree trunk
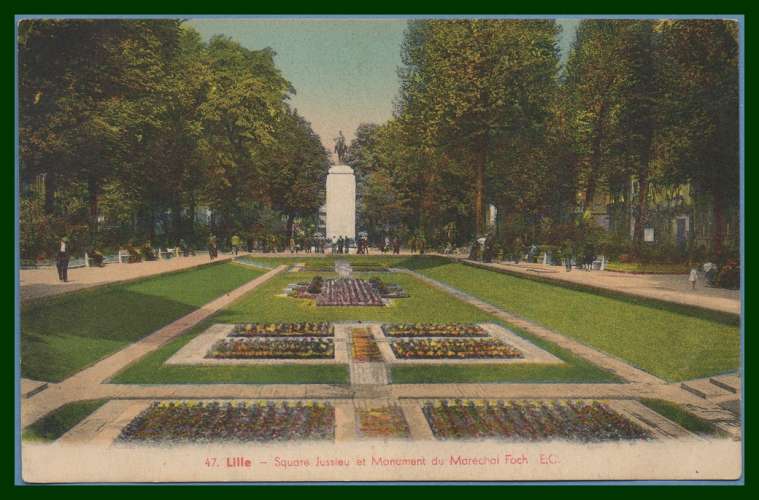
(290, 227)
(49, 193)
(479, 190)
(92, 190)
(640, 220)
(718, 235)
(595, 155)
(191, 219)
(176, 224)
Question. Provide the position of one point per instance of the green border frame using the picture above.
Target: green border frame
(386, 7)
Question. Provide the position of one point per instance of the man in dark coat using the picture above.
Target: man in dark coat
(62, 259)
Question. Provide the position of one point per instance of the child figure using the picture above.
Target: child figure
(693, 277)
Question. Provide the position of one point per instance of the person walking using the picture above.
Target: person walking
(396, 246)
(693, 277)
(183, 247)
(236, 243)
(567, 253)
(62, 259)
(340, 244)
(212, 247)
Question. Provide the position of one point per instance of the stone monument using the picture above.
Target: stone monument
(341, 203)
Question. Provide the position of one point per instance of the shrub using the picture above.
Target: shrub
(729, 275)
(315, 287)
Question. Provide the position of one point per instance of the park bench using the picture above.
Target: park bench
(123, 256)
(168, 253)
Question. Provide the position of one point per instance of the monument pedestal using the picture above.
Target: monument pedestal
(341, 203)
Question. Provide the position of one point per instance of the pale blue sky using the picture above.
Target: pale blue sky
(344, 71)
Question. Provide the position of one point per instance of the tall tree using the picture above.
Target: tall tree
(88, 90)
(702, 143)
(472, 83)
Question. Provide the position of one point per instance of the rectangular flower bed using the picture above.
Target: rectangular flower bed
(198, 422)
(269, 348)
(530, 421)
(363, 346)
(433, 330)
(348, 292)
(453, 349)
(383, 423)
(305, 329)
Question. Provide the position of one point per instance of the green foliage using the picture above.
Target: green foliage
(142, 123)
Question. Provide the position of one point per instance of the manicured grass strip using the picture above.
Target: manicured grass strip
(58, 422)
(152, 370)
(61, 336)
(669, 344)
(425, 304)
(652, 268)
(682, 417)
(725, 317)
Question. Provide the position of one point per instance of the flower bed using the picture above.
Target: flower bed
(268, 348)
(282, 330)
(453, 349)
(433, 330)
(383, 423)
(197, 422)
(530, 421)
(348, 292)
(363, 346)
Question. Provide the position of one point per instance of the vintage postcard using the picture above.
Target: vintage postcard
(379, 249)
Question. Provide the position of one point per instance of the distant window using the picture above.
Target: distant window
(648, 234)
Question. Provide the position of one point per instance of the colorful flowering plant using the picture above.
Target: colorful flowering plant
(453, 349)
(586, 421)
(269, 348)
(433, 330)
(363, 346)
(384, 422)
(303, 329)
(199, 422)
(348, 292)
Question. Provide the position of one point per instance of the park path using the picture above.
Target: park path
(673, 288)
(82, 384)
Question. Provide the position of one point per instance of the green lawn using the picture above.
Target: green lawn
(58, 422)
(64, 334)
(669, 342)
(425, 304)
(651, 268)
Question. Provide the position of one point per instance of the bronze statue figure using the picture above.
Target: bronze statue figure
(340, 147)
